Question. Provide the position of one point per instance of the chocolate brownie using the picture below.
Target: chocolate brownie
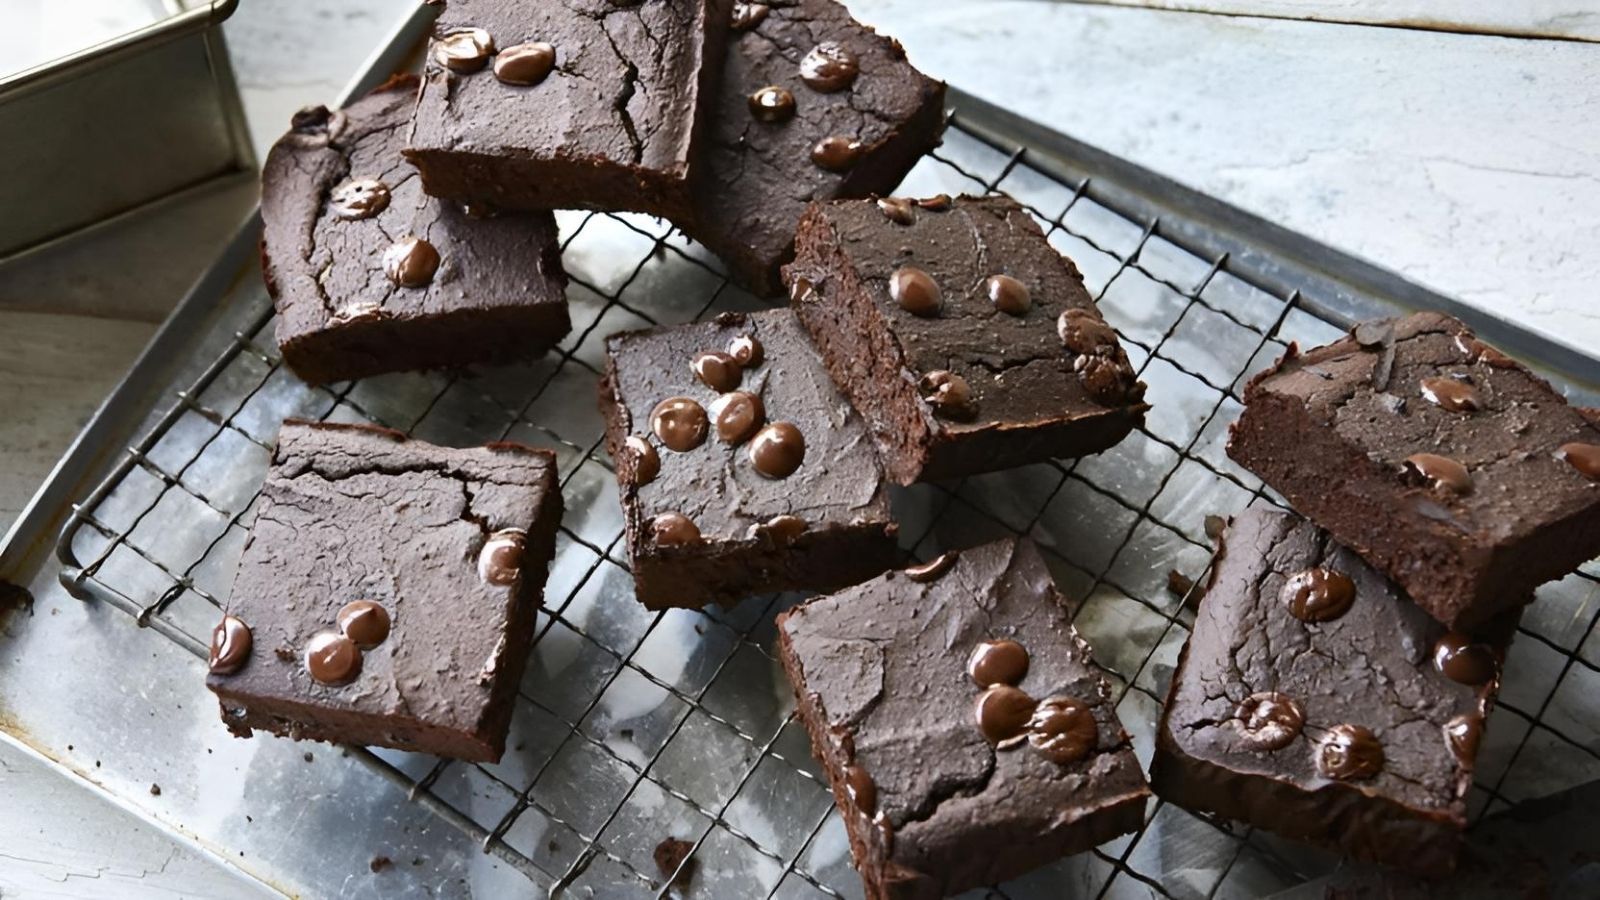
(741, 468)
(1443, 462)
(560, 104)
(1314, 700)
(858, 119)
(966, 733)
(387, 592)
(964, 338)
(371, 275)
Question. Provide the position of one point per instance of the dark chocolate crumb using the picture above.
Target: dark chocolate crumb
(155, 790)
(672, 853)
(380, 863)
(1215, 526)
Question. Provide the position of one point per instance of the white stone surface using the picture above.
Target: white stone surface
(1577, 19)
(1470, 164)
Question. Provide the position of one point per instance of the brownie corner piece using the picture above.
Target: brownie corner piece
(1462, 475)
(371, 275)
(853, 116)
(965, 731)
(968, 343)
(569, 104)
(387, 593)
(740, 467)
(1315, 701)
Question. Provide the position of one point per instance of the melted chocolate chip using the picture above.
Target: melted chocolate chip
(464, 50)
(679, 423)
(525, 65)
(1318, 595)
(1268, 720)
(933, 569)
(772, 104)
(1451, 394)
(829, 67)
(500, 560)
(1063, 730)
(1104, 379)
(1002, 713)
(937, 203)
(802, 291)
(365, 622)
(915, 291)
(1082, 331)
(778, 450)
(644, 461)
(1008, 294)
(861, 789)
(718, 371)
(780, 529)
(362, 198)
(746, 351)
(411, 262)
(1441, 472)
(998, 662)
(674, 528)
(737, 416)
(748, 15)
(836, 152)
(361, 310)
(948, 394)
(1462, 735)
(1583, 457)
(230, 646)
(897, 209)
(1464, 662)
(1349, 753)
(333, 659)
(1478, 351)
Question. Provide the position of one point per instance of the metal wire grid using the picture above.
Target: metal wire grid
(679, 722)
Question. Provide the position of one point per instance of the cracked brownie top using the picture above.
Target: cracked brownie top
(578, 80)
(732, 424)
(381, 573)
(350, 237)
(1473, 439)
(1308, 667)
(958, 700)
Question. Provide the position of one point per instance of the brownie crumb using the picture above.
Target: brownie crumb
(14, 596)
(1182, 586)
(380, 863)
(308, 757)
(155, 790)
(672, 853)
(1215, 526)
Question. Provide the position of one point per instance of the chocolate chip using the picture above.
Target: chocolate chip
(1003, 713)
(998, 662)
(365, 622)
(411, 262)
(780, 529)
(737, 416)
(933, 569)
(778, 450)
(525, 65)
(829, 67)
(916, 292)
(836, 153)
(669, 529)
(500, 560)
(746, 351)
(1008, 294)
(897, 209)
(717, 370)
(949, 395)
(231, 641)
(679, 423)
(464, 50)
(1451, 394)
(362, 198)
(1440, 472)
(772, 104)
(1318, 595)
(1082, 331)
(937, 203)
(1349, 753)
(1462, 735)
(1464, 662)
(1063, 730)
(748, 15)
(1583, 457)
(1268, 720)
(332, 659)
(644, 461)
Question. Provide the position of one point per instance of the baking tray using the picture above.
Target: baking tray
(634, 726)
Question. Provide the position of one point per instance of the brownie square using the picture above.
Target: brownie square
(968, 343)
(568, 103)
(371, 275)
(859, 119)
(1444, 463)
(1314, 700)
(965, 730)
(741, 468)
(387, 592)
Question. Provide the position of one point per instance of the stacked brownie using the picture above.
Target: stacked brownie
(1316, 697)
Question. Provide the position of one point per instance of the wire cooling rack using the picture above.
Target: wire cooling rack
(634, 726)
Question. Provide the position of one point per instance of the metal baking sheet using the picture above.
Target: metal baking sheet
(635, 726)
